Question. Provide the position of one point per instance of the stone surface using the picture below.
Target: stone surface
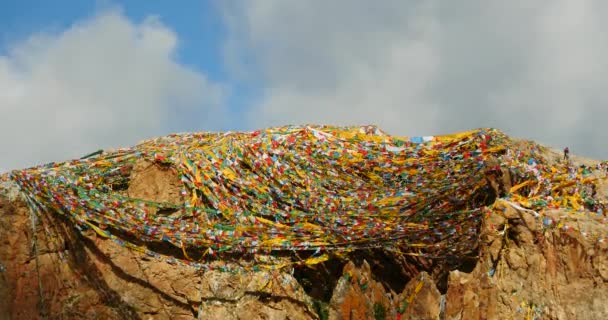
(358, 296)
(538, 273)
(420, 299)
(526, 268)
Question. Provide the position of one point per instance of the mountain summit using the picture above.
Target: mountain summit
(308, 222)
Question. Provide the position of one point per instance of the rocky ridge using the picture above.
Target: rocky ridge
(528, 265)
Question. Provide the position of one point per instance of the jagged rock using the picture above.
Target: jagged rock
(420, 299)
(359, 296)
(530, 269)
(529, 266)
(557, 275)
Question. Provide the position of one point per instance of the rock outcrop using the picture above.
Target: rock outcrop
(527, 265)
(554, 267)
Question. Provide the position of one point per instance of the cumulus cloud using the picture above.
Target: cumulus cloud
(531, 68)
(104, 82)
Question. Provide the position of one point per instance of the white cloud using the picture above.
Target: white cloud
(104, 82)
(534, 69)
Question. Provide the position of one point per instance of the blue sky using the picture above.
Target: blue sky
(197, 23)
(77, 76)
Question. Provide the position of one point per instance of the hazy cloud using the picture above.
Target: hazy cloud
(534, 69)
(104, 82)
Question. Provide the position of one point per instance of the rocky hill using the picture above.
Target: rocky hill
(312, 222)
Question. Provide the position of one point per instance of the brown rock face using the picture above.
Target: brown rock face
(151, 182)
(420, 299)
(528, 266)
(358, 296)
(55, 278)
(76, 276)
(530, 269)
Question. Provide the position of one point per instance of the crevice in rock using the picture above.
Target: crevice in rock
(469, 262)
(442, 303)
(391, 270)
(511, 234)
(194, 309)
(319, 282)
(166, 211)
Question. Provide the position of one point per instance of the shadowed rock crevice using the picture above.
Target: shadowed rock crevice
(319, 282)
